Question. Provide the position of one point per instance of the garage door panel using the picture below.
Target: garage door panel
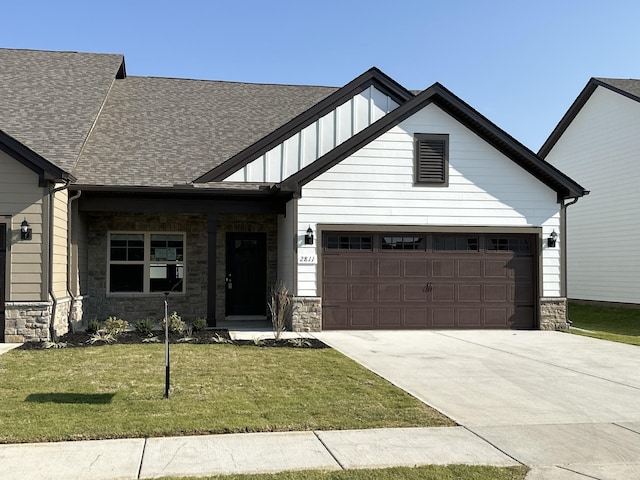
(362, 317)
(469, 293)
(416, 267)
(443, 293)
(470, 317)
(362, 293)
(389, 268)
(390, 293)
(469, 268)
(415, 293)
(488, 283)
(335, 292)
(334, 267)
(444, 317)
(362, 268)
(390, 317)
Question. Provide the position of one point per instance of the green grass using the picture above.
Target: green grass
(607, 323)
(116, 391)
(430, 472)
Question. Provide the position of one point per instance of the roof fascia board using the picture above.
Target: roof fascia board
(45, 170)
(372, 76)
(462, 112)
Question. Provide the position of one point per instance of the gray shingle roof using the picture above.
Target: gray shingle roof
(165, 131)
(49, 100)
(628, 85)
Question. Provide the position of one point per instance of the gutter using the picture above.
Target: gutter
(52, 330)
(563, 233)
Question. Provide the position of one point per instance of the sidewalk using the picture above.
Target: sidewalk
(246, 453)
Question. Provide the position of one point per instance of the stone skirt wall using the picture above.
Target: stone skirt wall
(306, 314)
(553, 313)
(31, 321)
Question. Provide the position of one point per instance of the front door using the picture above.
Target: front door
(3, 263)
(246, 275)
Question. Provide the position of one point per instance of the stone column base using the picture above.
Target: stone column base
(306, 314)
(553, 313)
(30, 321)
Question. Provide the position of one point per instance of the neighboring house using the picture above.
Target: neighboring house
(598, 142)
(376, 207)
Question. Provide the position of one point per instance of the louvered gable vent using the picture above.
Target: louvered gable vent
(431, 158)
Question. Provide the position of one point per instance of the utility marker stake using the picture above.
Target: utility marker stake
(166, 345)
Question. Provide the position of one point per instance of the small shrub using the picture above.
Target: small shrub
(199, 324)
(151, 340)
(217, 338)
(115, 326)
(49, 344)
(145, 327)
(299, 342)
(93, 326)
(280, 307)
(103, 337)
(176, 325)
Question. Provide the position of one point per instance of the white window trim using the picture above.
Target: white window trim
(146, 263)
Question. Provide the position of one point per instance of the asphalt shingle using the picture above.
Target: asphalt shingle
(50, 100)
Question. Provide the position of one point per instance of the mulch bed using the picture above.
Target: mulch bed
(208, 337)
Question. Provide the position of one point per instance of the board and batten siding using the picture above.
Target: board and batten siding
(375, 186)
(601, 150)
(21, 198)
(313, 141)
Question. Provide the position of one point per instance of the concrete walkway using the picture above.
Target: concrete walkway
(246, 453)
(566, 406)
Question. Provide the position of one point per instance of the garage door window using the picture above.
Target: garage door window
(409, 242)
(455, 243)
(350, 242)
(509, 244)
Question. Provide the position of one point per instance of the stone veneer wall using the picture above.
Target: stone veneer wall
(306, 315)
(553, 313)
(133, 307)
(247, 223)
(30, 321)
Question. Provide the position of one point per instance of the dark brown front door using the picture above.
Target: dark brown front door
(3, 266)
(395, 281)
(246, 276)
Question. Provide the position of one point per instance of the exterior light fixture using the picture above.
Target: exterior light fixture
(25, 231)
(551, 241)
(308, 238)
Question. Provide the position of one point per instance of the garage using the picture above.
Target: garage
(428, 280)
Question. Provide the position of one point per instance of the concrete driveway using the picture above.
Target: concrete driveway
(567, 406)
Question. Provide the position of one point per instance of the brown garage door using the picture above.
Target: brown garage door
(393, 281)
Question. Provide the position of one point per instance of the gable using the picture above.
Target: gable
(464, 114)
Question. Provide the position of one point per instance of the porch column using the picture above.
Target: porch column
(212, 230)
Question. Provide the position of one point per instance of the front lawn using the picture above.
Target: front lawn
(429, 472)
(116, 391)
(607, 323)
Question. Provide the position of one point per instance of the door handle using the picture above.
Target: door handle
(428, 287)
(229, 282)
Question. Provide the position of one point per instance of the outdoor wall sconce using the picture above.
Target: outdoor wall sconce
(308, 238)
(551, 241)
(25, 231)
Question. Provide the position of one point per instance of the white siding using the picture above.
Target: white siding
(320, 137)
(21, 198)
(286, 250)
(601, 151)
(375, 186)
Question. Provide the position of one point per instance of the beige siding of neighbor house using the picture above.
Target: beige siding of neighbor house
(21, 198)
(375, 186)
(601, 150)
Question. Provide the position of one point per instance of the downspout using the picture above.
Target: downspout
(69, 263)
(563, 251)
(54, 306)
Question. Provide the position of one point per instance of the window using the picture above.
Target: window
(509, 244)
(432, 159)
(146, 262)
(455, 243)
(389, 242)
(349, 242)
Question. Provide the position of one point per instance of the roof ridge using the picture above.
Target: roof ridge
(234, 82)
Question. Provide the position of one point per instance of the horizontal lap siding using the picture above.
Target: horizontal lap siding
(601, 150)
(375, 186)
(20, 198)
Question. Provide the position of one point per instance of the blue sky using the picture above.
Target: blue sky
(519, 63)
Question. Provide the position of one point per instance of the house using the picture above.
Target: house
(375, 206)
(597, 142)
